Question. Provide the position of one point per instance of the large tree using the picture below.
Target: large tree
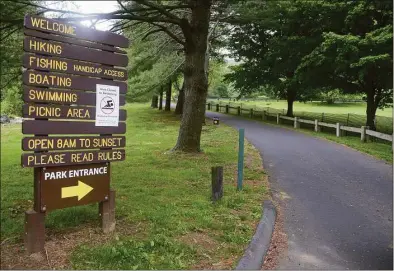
(272, 47)
(188, 23)
(360, 58)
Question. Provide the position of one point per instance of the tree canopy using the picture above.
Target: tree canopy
(358, 60)
(301, 48)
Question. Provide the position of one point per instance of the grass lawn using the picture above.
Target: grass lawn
(338, 108)
(165, 219)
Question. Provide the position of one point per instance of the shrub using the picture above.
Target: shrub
(12, 102)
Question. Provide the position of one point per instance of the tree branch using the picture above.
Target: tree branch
(65, 11)
(169, 33)
(120, 17)
(160, 9)
(151, 32)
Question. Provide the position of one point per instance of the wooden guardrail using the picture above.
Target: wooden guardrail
(363, 130)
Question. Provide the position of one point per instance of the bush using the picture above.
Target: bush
(12, 103)
(330, 96)
(221, 91)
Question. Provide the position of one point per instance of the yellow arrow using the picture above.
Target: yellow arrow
(80, 190)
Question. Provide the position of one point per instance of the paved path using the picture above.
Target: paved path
(337, 202)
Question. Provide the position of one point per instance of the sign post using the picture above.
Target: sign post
(73, 85)
(241, 146)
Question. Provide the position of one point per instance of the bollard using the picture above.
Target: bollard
(364, 133)
(278, 118)
(317, 127)
(34, 237)
(240, 159)
(264, 116)
(296, 123)
(209, 106)
(239, 111)
(251, 113)
(217, 183)
(217, 107)
(107, 213)
(227, 108)
(338, 129)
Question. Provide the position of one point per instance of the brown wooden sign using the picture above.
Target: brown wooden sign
(46, 143)
(51, 159)
(83, 43)
(69, 89)
(52, 48)
(62, 65)
(63, 112)
(67, 186)
(46, 95)
(75, 31)
(68, 81)
(43, 127)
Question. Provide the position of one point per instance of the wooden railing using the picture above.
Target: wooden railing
(363, 130)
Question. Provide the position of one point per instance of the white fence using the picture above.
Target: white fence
(363, 130)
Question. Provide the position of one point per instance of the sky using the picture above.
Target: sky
(87, 7)
(98, 7)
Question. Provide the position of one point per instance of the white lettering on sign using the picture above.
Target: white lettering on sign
(107, 105)
(55, 175)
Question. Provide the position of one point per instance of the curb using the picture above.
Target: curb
(253, 257)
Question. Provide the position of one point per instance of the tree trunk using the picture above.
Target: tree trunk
(168, 97)
(290, 102)
(371, 109)
(196, 77)
(181, 99)
(161, 99)
(155, 100)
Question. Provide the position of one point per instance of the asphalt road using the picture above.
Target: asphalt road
(337, 202)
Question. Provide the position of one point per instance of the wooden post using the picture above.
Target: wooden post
(34, 231)
(338, 129)
(107, 213)
(217, 183)
(226, 108)
(317, 127)
(364, 133)
(296, 123)
(278, 118)
(217, 108)
(264, 116)
(251, 113)
(239, 111)
(240, 159)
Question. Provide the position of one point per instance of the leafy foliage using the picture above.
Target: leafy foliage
(272, 48)
(360, 59)
(11, 49)
(153, 60)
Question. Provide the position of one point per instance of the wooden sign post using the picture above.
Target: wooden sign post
(73, 85)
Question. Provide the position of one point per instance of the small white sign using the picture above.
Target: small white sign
(107, 105)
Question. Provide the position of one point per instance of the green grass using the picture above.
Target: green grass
(317, 107)
(165, 219)
(350, 114)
